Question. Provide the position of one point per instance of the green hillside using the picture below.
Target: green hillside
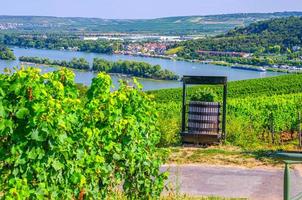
(259, 37)
(285, 84)
(210, 24)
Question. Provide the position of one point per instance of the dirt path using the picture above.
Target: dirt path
(255, 183)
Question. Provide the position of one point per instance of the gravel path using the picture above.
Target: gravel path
(202, 180)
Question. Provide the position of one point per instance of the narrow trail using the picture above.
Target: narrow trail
(255, 183)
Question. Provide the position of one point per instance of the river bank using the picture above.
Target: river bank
(179, 67)
(119, 75)
(275, 68)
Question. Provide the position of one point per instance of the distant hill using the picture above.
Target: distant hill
(207, 25)
(274, 35)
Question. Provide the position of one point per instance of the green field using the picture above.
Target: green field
(255, 109)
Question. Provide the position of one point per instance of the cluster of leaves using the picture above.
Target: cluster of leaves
(204, 94)
(6, 53)
(75, 63)
(56, 145)
(139, 69)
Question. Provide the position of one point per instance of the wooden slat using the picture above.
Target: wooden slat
(204, 105)
(200, 138)
(215, 130)
(204, 113)
(205, 121)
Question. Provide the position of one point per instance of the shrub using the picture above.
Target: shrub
(205, 94)
(56, 145)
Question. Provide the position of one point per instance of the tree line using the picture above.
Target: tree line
(57, 42)
(134, 68)
(75, 63)
(139, 69)
(265, 40)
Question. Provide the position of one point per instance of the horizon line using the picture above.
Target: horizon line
(208, 15)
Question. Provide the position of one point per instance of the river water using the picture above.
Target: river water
(179, 67)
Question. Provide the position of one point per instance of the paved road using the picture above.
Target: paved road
(199, 180)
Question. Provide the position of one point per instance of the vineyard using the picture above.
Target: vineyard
(259, 111)
(63, 141)
(286, 84)
(56, 144)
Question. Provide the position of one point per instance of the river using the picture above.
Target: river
(179, 67)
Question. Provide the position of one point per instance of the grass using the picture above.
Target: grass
(222, 155)
(120, 196)
(174, 51)
(184, 197)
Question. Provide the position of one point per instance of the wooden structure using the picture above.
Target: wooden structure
(203, 125)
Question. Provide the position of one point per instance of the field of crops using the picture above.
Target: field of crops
(286, 84)
(260, 111)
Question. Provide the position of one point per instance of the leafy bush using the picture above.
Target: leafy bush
(205, 94)
(56, 145)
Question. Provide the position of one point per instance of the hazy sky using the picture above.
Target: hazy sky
(142, 8)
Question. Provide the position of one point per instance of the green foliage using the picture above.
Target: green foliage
(6, 53)
(169, 123)
(55, 144)
(285, 84)
(279, 110)
(205, 94)
(139, 69)
(75, 63)
(57, 42)
(253, 107)
(274, 35)
(265, 39)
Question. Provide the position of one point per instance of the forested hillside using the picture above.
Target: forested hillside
(270, 36)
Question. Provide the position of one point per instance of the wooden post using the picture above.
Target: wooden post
(272, 127)
(299, 127)
(183, 127)
(224, 111)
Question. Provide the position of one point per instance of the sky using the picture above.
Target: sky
(142, 9)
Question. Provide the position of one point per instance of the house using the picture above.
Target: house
(224, 53)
